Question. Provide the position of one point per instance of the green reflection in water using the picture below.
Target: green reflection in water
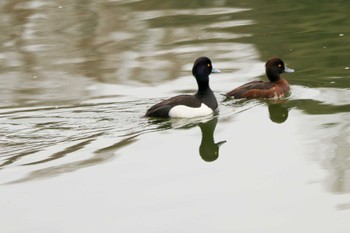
(313, 36)
(208, 148)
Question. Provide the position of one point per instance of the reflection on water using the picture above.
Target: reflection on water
(66, 138)
(76, 78)
(331, 144)
(278, 109)
(209, 149)
(50, 63)
(98, 156)
(278, 112)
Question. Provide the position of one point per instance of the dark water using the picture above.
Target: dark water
(76, 154)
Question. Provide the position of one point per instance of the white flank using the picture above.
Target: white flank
(182, 111)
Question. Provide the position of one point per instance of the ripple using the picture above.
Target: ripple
(38, 131)
(153, 14)
(232, 23)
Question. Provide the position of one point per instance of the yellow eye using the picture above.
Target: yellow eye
(279, 65)
(208, 65)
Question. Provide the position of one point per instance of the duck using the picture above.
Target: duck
(277, 87)
(202, 103)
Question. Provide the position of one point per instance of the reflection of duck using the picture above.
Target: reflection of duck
(278, 113)
(208, 149)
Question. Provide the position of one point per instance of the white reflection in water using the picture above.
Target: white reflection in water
(229, 24)
(146, 15)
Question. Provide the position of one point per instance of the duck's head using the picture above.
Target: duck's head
(274, 67)
(202, 67)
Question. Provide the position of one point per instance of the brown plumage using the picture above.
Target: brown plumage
(277, 87)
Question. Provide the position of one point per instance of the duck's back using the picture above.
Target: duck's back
(163, 108)
(259, 89)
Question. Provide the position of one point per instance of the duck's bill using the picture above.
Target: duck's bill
(288, 70)
(215, 70)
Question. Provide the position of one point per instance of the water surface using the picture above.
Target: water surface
(76, 153)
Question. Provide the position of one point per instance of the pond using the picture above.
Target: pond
(77, 155)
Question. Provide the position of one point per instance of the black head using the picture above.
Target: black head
(274, 67)
(202, 67)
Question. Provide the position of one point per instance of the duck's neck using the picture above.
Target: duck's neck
(205, 94)
(273, 76)
(203, 84)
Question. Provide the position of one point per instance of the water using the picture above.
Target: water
(77, 155)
